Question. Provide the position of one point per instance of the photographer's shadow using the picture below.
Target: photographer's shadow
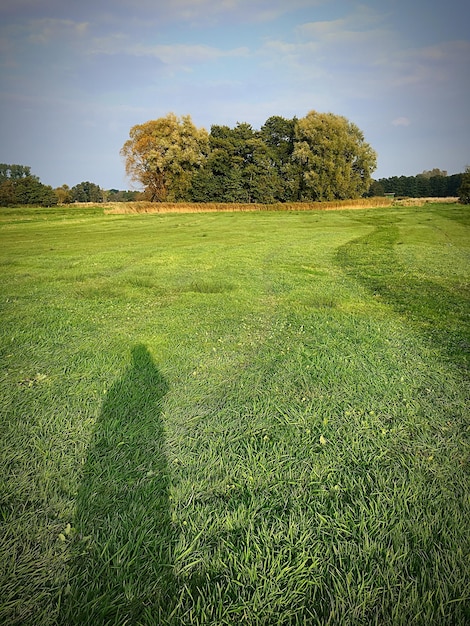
(121, 569)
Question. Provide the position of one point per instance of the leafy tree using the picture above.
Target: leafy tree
(376, 189)
(434, 172)
(336, 161)
(320, 157)
(29, 190)
(453, 183)
(278, 134)
(464, 190)
(116, 195)
(19, 186)
(438, 186)
(237, 169)
(64, 195)
(7, 192)
(15, 172)
(423, 185)
(86, 192)
(163, 155)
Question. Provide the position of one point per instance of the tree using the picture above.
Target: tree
(7, 192)
(376, 189)
(453, 183)
(15, 172)
(162, 155)
(434, 172)
(19, 186)
(336, 161)
(464, 190)
(64, 195)
(86, 192)
(117, 195)
(423, 185)
(29, 190)
(238, 168)
(278, 133)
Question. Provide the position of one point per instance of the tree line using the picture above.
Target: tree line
(429, 184)
(319, 157)
(18, 186)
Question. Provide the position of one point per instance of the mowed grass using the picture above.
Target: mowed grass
(252, 418)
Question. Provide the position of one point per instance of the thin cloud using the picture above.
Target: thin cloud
(45, 30)
(429, 66)
(401, 121)
(176, 55)
(199, 11)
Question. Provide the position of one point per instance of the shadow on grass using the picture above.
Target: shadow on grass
(439, 313)
(121, 569)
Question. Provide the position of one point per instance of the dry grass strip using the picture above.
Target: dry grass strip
(217, 207)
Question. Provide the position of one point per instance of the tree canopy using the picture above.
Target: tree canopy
(86, 192)
(19, 186)
(424, 185)
(162, 155)
(319, 157)
(336, 161)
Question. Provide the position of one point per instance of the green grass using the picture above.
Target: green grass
(251, 418)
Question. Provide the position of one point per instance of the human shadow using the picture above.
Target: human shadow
(121, 571)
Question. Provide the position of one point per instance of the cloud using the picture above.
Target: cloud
(356, 42)
(174, 55)
(363, 55)
(44, 30)
(444, 62)
(202, 11)
(401, 121)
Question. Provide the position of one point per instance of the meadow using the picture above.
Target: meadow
(254, 418)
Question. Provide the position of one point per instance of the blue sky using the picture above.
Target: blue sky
(76, 76)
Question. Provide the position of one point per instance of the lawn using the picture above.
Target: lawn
(235, 418)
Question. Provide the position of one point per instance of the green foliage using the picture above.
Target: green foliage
(376, 189)
(464, 189)
(64, 194)
(278, 134)
(14, 172)
(285, 161)
(336, 161)
(237, 168)
(19, 186)
(426, 185)
(86, 192)
(117, 195)
(162, 155)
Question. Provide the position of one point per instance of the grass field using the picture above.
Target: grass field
(235, 418)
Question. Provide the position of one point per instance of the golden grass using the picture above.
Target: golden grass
(217, 207)
(423, 201)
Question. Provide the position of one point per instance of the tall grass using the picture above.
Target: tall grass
(255, 418)
(218, 207)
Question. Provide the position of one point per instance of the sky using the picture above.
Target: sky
(75, 76)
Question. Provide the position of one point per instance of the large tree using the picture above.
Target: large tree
(278, 133)
(336, 161)
(19, 186)
(162, 156)
(237, 169)
(86, 192)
